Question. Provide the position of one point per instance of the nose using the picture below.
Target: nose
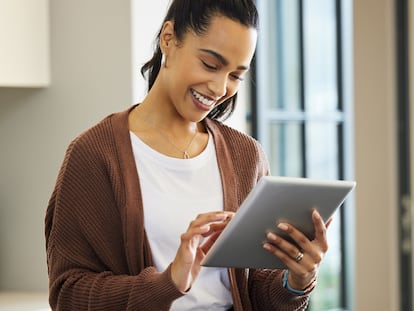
(218, 86)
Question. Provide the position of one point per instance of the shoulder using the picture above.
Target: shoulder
(100, 138)
(244, 150)
(229, 133)
(233, 138)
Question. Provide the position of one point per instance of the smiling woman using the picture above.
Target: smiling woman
(143, 195)
(199, 74)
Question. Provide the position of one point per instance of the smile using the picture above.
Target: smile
(204, 100)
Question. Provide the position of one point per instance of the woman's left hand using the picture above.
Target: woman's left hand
(302, 262)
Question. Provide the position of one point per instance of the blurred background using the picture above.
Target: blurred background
(328, 97)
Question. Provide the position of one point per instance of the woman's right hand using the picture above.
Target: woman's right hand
(186, 265)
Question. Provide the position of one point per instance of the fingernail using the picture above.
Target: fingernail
(267, 246)
(271, 236)
(316, 214)
(282, 226)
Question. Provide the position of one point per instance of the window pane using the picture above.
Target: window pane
(286, 148)
(322, 150)
(278, 50)
(327, 293)
(322, 162)
(287, 40)
(320, 55)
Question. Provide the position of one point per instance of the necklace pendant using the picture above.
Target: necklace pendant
(186, 155)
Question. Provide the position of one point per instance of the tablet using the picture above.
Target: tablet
(274, 200)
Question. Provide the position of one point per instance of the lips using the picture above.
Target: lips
(202, 99)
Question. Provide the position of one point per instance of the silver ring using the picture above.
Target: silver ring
(299, 257)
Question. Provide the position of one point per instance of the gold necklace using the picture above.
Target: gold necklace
(185, 153)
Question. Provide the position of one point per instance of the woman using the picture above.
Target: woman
(142, 195)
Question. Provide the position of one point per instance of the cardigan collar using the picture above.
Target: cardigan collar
(136, 243)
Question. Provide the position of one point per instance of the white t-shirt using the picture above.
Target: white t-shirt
(174, 192)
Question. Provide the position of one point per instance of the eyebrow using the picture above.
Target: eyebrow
(221, 58)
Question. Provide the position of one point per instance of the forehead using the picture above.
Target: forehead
(229, 38)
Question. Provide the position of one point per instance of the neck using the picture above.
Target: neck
(168, 135)
(155, 114)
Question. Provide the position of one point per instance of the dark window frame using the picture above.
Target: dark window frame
(404, 145)
(341, 118)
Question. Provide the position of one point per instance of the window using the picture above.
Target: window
(300, 112)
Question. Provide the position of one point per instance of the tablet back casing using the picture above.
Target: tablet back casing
(272, 201)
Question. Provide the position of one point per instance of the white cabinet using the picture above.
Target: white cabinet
(24, 43)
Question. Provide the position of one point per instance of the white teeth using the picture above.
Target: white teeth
(202, 99)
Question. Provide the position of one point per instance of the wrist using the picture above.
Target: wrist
(309, 288)
(183, 285)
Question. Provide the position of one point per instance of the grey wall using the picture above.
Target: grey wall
(91, 77)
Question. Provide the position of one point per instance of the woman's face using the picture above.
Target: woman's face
(204, 70)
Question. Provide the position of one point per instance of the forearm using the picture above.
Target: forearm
(79, 289)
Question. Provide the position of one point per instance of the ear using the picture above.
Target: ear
(167, 36)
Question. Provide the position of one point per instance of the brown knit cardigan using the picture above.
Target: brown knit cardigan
(98, 254)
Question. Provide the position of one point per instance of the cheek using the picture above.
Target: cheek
(232, 89)
(187, 77)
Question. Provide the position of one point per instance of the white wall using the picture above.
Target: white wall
(91, 77)
(376, 286)
(24, 27)
(148, 17)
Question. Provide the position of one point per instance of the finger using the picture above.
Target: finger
(328, 223)
(215, 230)
(302, 269)
(216, 227)
(303, 262)
(205, 220)
(193, 231)
(320, 231)
(300, 239)
(205, 247)
(206, 224)
(314, 250)
(289, 258)
(209, 218)
(288, 248)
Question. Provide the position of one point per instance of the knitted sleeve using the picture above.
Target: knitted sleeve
(267, 292)
(87, 265)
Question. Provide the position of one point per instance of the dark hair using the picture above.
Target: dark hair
(196, 15)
